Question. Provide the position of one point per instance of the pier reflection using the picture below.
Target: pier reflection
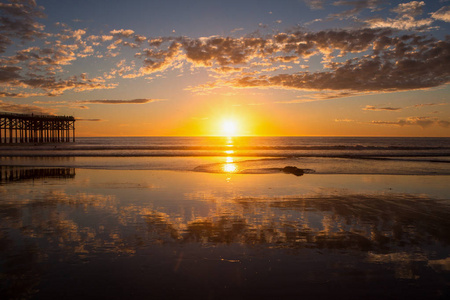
(11, 174)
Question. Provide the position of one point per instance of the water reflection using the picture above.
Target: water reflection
(9, 174)
(230, 166)
(408, 233)
(358, 222)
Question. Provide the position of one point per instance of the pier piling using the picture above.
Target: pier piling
(30, 128)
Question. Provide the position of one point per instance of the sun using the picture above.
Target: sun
(229, 127)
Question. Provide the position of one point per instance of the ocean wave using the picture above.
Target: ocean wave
(81, 148)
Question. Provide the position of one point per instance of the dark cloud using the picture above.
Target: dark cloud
(134, 101)
(423, 122)
(18, 20)
(315, 4)
(9, 73)
(357, 7)
(396, 64)
(370, 107)
(56, 86)
(25, 108)
(221, 50)
(428, 104)
(89, 120)
(443, 123)
(413, 8)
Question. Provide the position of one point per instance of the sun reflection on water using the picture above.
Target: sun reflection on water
(230, 166)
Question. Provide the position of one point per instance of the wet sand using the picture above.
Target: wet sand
(119, 234)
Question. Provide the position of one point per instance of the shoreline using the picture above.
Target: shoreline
(243, 165)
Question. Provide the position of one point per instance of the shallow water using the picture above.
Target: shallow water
(248, 155)
(99, 233)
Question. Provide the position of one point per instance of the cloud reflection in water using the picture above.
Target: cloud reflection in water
(407, 233)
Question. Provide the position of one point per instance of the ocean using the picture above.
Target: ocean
(321, 155)
(226, 218)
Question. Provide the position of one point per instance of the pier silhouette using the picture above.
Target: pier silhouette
(30, 128)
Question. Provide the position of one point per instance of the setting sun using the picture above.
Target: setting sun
(229, 127)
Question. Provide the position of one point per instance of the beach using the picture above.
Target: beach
(223, 227)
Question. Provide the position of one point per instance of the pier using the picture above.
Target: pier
(30, 128)
(9, 174)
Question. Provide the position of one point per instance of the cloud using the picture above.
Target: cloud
(404, 23)
(236, 30)
(423, 122)
(36, 68)
(159, 60)
(49, 102)
(370, 107)
(18, 20)
(89, 120)
(405, 19)
(396, 64)
(344, 120)
(106, 38)
(57, 86)
(358, 6)
(355, 62)
(20, 95)
(41, 67)
(221, 50)
(122, 33)
(225, 70)
(134, 101)
(413, 8)
(25, 108)
(428, 104)
(443, 14)
(443, 123)
(315, 4)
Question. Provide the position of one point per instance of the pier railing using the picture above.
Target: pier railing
(30, 128)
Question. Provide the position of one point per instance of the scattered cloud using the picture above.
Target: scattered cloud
(344, 120)
(423, 122)
(413, 8)
(405, 19)
(25, 108)
(89, 120)
(443, 14)
(18, 21)
(134, 101)
(370, 107)
(236, 30)
(122, 33)
(315, 4)
(428, 104)
(358, 6)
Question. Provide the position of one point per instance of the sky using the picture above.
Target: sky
(267, 67)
